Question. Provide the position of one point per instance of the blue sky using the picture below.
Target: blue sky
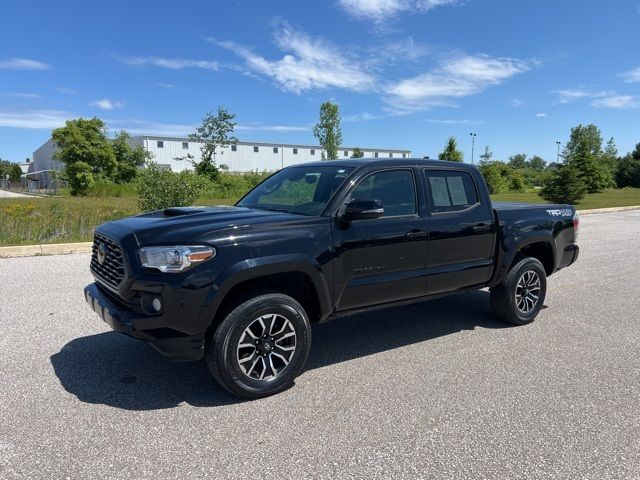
(406, 73)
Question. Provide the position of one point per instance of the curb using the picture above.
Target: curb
(46, 249)
(85, 247)
(610, 209)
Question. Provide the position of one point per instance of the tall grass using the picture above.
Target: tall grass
(58, 220)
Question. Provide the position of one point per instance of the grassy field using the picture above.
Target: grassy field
(71, 219)
(609, 198)
(63, 219)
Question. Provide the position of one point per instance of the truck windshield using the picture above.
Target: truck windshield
(301, 190)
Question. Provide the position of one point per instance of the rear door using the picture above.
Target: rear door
(462, 231)
(383, 259)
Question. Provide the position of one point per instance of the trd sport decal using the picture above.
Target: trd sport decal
(560, 212)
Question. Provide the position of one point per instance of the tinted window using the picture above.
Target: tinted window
(275, 149)
(160, 144)
(185, 145)
(295, 151)
(233, 148)
(394, 188)
(255, 149)
(302, 190)
(450, 190)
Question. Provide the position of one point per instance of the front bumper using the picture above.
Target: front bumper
(172, 343)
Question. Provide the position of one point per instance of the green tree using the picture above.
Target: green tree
(80, 177)
(610, 157)
(486, 156)
(328, 131)
(15, 173)
(537, 163)
(497, 176)
(451, 152)
(128, 159)
(583, 152)
(215, 131)
(160, 188)
(357, 153)
(564, 185)
(518, 161)
(628, 171)
(84, 141)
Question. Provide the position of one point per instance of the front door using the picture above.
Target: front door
(383, 259)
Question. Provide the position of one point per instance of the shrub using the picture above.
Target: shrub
(160, 188)
(564, 185)
(108, 188)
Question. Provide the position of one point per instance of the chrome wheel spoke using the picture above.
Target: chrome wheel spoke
(266, 347)
(527, 291)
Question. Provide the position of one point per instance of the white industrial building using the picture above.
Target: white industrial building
(242, 157)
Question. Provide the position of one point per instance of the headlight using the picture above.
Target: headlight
(174, 259)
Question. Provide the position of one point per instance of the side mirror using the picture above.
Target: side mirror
(363, 210)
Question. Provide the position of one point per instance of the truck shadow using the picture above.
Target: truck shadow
(115, 370)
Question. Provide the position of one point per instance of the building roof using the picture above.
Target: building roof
(270, 144)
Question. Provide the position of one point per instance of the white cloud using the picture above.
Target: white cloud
(24, 95)
(272, 128)
(632, 76)
(617, 101)
(541, 115)
(170, 63)
(308, 64)
(46, 119)
(66, 90)
(363, 117)
(454, 121)
(516, 102)
(456, 77)
(140, 127)
(169, 86)
(23, 64)
(572, 94)
(106, 104)
(380, 10)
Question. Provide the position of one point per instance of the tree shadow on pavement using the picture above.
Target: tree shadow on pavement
(116, 370)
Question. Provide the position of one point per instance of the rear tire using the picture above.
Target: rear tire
(260, 347)
(520, 296)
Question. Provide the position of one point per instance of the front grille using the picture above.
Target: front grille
(111, 270)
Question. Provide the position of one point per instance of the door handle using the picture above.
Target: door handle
(481, 227)
(416, 234)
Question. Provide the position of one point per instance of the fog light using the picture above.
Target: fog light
(156, 304)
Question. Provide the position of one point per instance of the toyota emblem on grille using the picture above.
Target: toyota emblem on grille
(102, 253)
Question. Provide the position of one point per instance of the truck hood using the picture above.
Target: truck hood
(180, 225)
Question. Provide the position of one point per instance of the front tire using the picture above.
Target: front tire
(520, 296)
(260, 347)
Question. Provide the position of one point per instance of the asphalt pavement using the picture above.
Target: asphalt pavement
(435, 390)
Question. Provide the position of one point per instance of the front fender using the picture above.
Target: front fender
(260, 267)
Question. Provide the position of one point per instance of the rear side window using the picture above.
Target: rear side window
(451, 191)
(394, 188)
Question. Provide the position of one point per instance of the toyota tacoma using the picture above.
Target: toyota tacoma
(241, 286)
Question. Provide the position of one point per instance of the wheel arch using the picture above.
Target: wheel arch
(541, 247)
(296, 276)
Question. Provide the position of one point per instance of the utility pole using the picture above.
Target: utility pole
(473, 145)
(558, 156)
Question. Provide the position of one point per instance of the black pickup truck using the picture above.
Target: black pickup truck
(241, 285)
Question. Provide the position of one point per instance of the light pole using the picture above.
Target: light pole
(558, 156)
(473, 145)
